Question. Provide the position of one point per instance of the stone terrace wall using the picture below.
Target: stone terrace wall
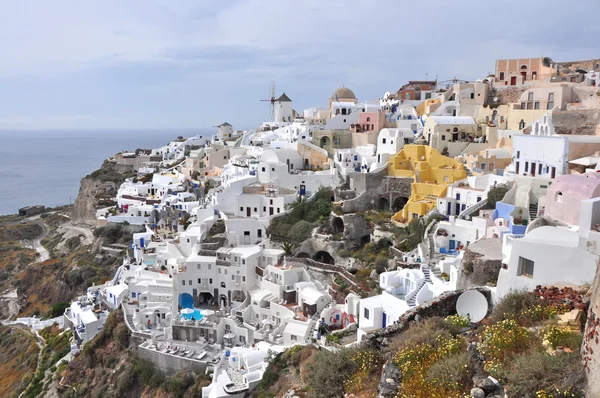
(442, 305)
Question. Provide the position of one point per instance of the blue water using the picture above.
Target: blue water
(45, 167)
(196, 314)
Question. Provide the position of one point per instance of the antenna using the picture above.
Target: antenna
(271, 100)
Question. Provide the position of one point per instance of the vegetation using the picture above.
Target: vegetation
(110, 173)
(495, 195)
(114, 233)
(304, 216)
(416, 230)
(329, 373)
(19, 353)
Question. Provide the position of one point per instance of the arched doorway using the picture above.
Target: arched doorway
(325, 142)
(186, 300)
(384, 204)
(223, 300)
(205, 299)
(399, 203)
(323, 257)
(337, 224)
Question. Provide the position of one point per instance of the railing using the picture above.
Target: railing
(225, 263)
(466, 213)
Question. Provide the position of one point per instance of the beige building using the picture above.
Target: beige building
(330, 140)
(548, 97)
(450, 135)
(512, 72)
(490, 160)
(314, 158)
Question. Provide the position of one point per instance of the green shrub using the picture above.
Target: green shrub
(300, 232)
(534, 371)
(58, 309)
(458, 321)
(421, 333)
(513, 305)
(561, 337)
(495, 195)
(451, 370)
(327, 375)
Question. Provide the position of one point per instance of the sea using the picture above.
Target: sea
(45, 167)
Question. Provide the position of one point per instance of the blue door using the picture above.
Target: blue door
(457, 209)
(384, 321)
(452, 244)
(302, 190)
(449, 209)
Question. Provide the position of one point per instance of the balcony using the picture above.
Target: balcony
(225, 263)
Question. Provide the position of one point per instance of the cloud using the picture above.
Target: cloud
(184, 63)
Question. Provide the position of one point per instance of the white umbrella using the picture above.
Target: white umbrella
(186, 311)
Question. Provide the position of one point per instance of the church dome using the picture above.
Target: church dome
(343, 93)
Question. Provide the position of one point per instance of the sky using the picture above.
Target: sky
(157, 64)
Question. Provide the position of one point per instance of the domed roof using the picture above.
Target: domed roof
(343, 92)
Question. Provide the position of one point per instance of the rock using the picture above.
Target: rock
(477, 393)
(484, 383)
(385, 342)
(374, 275)
(389, 383)
(418, 318)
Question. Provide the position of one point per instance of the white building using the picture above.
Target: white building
(283, 110)
(86, 318)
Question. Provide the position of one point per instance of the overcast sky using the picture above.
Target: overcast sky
(73, 64)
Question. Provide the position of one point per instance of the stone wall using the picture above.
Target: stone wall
(170, 364)
(577, 122)
(442, 306)
(481, 264)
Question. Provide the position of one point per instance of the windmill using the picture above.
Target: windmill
(271, 100)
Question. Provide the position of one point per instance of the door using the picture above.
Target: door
(457, 208)
(452, 244)
(383, 323)
(270, 211)
(246, 237)
(533, 169)
(523, 76)
(513, 80)
(302, 190)
(247, 212)
(553, 172)
(449, 209)
(517, 168)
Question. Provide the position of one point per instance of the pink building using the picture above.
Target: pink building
(369, 121)
(563, 200)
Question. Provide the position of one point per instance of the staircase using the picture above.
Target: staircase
(427, 273)
(238, 321)
(533, 211)
(467, 170)
(412, 301)
(129, 319)
(431, 246)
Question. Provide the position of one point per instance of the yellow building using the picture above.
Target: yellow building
(431, 172)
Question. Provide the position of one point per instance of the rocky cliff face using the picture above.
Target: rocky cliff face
(590, 350)
(100, 186)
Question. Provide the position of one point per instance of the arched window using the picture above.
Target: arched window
(368, 119)
(537, 128)
(349, 111)
(559, 197)
(337, 111)
(455, 130)
(417, 93)
(523, 66)
(222, 284)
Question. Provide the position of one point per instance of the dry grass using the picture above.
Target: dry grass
(422, 333)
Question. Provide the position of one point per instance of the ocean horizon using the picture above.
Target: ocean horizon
(44, 167)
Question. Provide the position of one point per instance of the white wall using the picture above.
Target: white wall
(549, 151)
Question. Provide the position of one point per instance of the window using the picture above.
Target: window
(272, 168)
(264, 208)
(209, 266)
(368, 119)
(536, 105)
(366, 313)
(479, 199)
(259, 233)
(210, 280)
(525, 267)
(294, 338)
(255, 209)
(550, 100)
(457, 196)
(278, 210)
(183, 282)
(472, 95)
(518, 154)
(526, 166)
(383, 141)
(523, 105)
(264, 169)
(199, 266)
(501, 75)
(232, 277)
(530, 96)
(243, 279)
(443, 138)
(483, 166)
(540, 168)
(559, 197)
(241, 209)
(224, 157)
(271, 201)
(199, 281)
(190, 282)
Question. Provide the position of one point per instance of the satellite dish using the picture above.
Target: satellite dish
(472, 304)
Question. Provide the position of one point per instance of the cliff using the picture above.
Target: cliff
(97, 190)
(591, 348)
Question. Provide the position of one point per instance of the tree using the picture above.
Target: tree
(496, 194)
(287, 247)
